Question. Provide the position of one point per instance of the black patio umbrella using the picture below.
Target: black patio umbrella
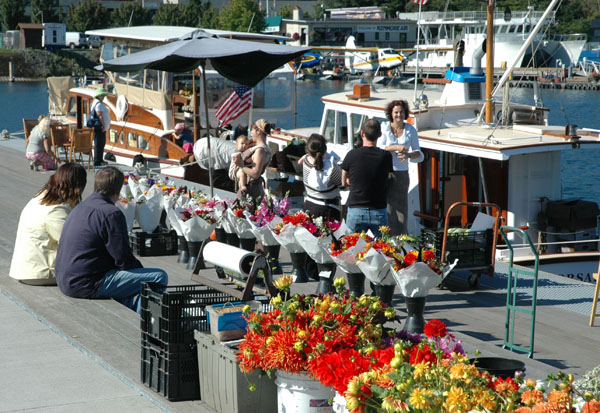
(244, 62)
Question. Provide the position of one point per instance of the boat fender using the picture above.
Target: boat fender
(121, 107)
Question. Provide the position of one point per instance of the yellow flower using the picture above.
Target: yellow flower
(456, 400)
(389, 404)
(275, 301)
(420, 368)
(487, 400)
(283, 282)
(339, 282)
(353, 387)
(418, 398)
(352, 403)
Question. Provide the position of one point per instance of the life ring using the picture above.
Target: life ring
(121, 107)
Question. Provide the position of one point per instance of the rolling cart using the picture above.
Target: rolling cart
(475, 250)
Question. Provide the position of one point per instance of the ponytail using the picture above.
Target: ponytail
(316, 147)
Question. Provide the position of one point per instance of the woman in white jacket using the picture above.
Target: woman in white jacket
(41, 223)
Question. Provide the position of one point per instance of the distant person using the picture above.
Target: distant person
(366, 171)
(255, 163)
(235, 172)
(401, 139)
(183, 137)
(94, 258)
(322, 178)
(100, 112)
(38, 150)
(41, 223)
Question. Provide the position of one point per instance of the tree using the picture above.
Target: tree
(286, 11)
(239, 15)
(174, 15)
(12, 12)
(43, 11)
(209, 16)
(87, 15)
(131, 12)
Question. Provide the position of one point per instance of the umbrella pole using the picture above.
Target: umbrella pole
(194, 105)
(210, 166)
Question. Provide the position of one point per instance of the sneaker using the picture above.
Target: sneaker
(33, 165)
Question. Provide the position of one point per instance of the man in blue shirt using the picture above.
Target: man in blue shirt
(94, 259)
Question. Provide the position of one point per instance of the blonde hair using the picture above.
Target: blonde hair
(44, 124)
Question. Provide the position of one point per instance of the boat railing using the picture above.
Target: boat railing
(564, 246)
(569, 37)
(588, 67)
(436, 16)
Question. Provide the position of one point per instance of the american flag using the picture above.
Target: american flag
(237, 103)
(419, 1)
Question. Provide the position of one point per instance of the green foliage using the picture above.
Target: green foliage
(12, 12)
(87, 15)
(239, 15)
(130, 11)
(174, 15)
(209, 16)
(43, 9)
(286, 11)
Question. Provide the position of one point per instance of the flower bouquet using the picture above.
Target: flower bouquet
(378, 258)
(283, 231)
(430, 373)
(127, 206)
(196, 222)
(269, 210)
(331, 338)
(313, 235)
(415, 275)
(148, 209)
(344, 249)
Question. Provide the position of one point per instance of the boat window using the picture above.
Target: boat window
(112, 136)
(329, 131)
(152, 81)
(122, 50)
(519, 29)
(122, 138)
(73, 106)
(131, 140)
(136, 79)
(142, 142)
(108, 51)
(342, 128)
(356, 122)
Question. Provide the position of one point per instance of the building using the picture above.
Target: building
(30, 35)
(368, 25)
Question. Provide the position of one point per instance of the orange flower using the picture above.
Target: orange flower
(546, 407)
(559, 397)
(592, 406)
(531, 397)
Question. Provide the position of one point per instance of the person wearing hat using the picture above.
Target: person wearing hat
(100, 112)
(183, 137)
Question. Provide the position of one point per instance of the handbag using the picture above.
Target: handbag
(93, 121)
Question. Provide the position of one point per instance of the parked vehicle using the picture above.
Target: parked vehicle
(75, 39)
(54, 36)
(94, 41)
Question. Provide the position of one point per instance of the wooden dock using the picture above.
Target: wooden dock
(563, 339)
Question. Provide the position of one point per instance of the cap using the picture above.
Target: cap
(179, 127)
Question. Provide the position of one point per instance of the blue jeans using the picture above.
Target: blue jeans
(125, 286)
(364, 219)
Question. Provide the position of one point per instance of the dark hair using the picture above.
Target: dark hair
(65, 185)
(240, 130)
(390, 108)
(262, 126)
(371, 129)
(316, 146)
(109, 181)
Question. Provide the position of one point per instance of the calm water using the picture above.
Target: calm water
(581, 169)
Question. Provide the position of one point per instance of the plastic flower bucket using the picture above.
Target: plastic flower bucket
(297, 393)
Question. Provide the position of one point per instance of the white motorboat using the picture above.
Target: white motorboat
(442, 29)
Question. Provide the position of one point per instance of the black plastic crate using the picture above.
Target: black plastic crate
(473, 249)
(171, 314)
(160, 242)
(172, 374)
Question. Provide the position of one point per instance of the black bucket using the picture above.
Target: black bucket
(499, 367)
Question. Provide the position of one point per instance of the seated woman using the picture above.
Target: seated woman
(41, 223)
(322, 178)
(183, 137)
(38, 149)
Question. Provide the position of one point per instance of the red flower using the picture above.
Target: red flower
(410, 258)
(418, 355)
(435, 328)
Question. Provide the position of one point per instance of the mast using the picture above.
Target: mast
(489, 64)
(415, 101)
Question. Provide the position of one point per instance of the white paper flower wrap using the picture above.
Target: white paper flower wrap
(347, 259)
(311, 245)
(173, 219)
(264, 233)
(416, 280)
(128, 209)
(196, 228)
(377, 267)
(286, 238)
(148, 209)
(241, 226)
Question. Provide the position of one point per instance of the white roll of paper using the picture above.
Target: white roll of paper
(230, 258)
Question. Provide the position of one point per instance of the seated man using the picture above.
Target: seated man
(94, 259)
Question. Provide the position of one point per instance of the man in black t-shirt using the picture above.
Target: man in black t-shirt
(365, 170)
